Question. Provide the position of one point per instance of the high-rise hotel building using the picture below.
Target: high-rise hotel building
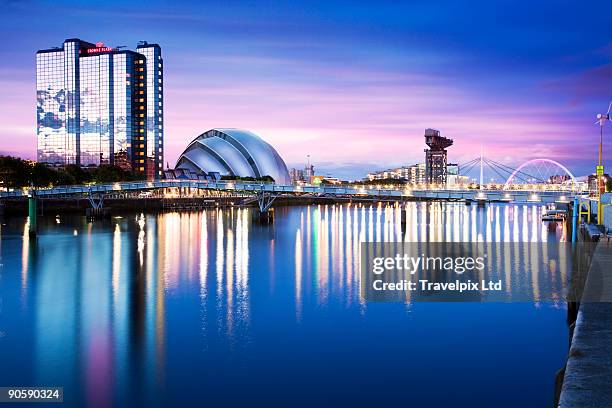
(101, 105)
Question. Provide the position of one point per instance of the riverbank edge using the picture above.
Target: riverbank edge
(586, 379)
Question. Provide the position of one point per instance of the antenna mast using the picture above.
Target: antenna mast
(481, 167)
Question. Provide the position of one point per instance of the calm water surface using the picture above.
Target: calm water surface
(207, 308)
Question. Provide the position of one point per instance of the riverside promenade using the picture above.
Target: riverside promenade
(588, 373)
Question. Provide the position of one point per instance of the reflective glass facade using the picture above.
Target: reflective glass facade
(93, 107)
(51, 109)
(94, 125)
(71, 79)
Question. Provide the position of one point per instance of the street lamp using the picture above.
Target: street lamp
(602, 118)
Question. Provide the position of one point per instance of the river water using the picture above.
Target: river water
(209, 309)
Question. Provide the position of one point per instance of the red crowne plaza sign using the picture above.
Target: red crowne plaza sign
(99, 49)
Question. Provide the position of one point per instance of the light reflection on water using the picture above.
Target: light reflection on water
(110, 312)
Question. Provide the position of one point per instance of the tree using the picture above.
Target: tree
(109, 174)
(43, 176)
(396, 181)
(79, 175)
(14, 172)
(18, 173)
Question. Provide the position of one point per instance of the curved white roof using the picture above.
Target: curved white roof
(234, 152)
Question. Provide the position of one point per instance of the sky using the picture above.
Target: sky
(352, 84)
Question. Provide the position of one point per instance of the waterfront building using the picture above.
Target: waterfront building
(309, 173)
(154, 70)
(305, 176)
(296, 175)
(317, 180)
(414, 174)
(100, 105)
(384, 174)
(559, 179)
(457, 180)
(592, 181)
(233, 152)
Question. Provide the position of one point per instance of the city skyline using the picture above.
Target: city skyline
(333, 82)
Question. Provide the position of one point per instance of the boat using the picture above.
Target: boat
(554, 215)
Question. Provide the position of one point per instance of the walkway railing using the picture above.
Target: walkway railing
(544, 195)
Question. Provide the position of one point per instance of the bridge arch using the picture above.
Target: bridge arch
(519, 169)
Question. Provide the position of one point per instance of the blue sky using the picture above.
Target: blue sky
(353, 84)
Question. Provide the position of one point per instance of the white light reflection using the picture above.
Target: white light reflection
(141, 238)
(298, 275)
(116, 272)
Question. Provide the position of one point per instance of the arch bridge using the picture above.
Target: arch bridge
(533, 175)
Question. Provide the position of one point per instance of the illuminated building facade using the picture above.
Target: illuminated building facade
(302, 176)
(414, 174)
(154, 107)
(100, 105)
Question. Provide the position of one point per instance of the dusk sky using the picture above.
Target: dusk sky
(353, 84)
